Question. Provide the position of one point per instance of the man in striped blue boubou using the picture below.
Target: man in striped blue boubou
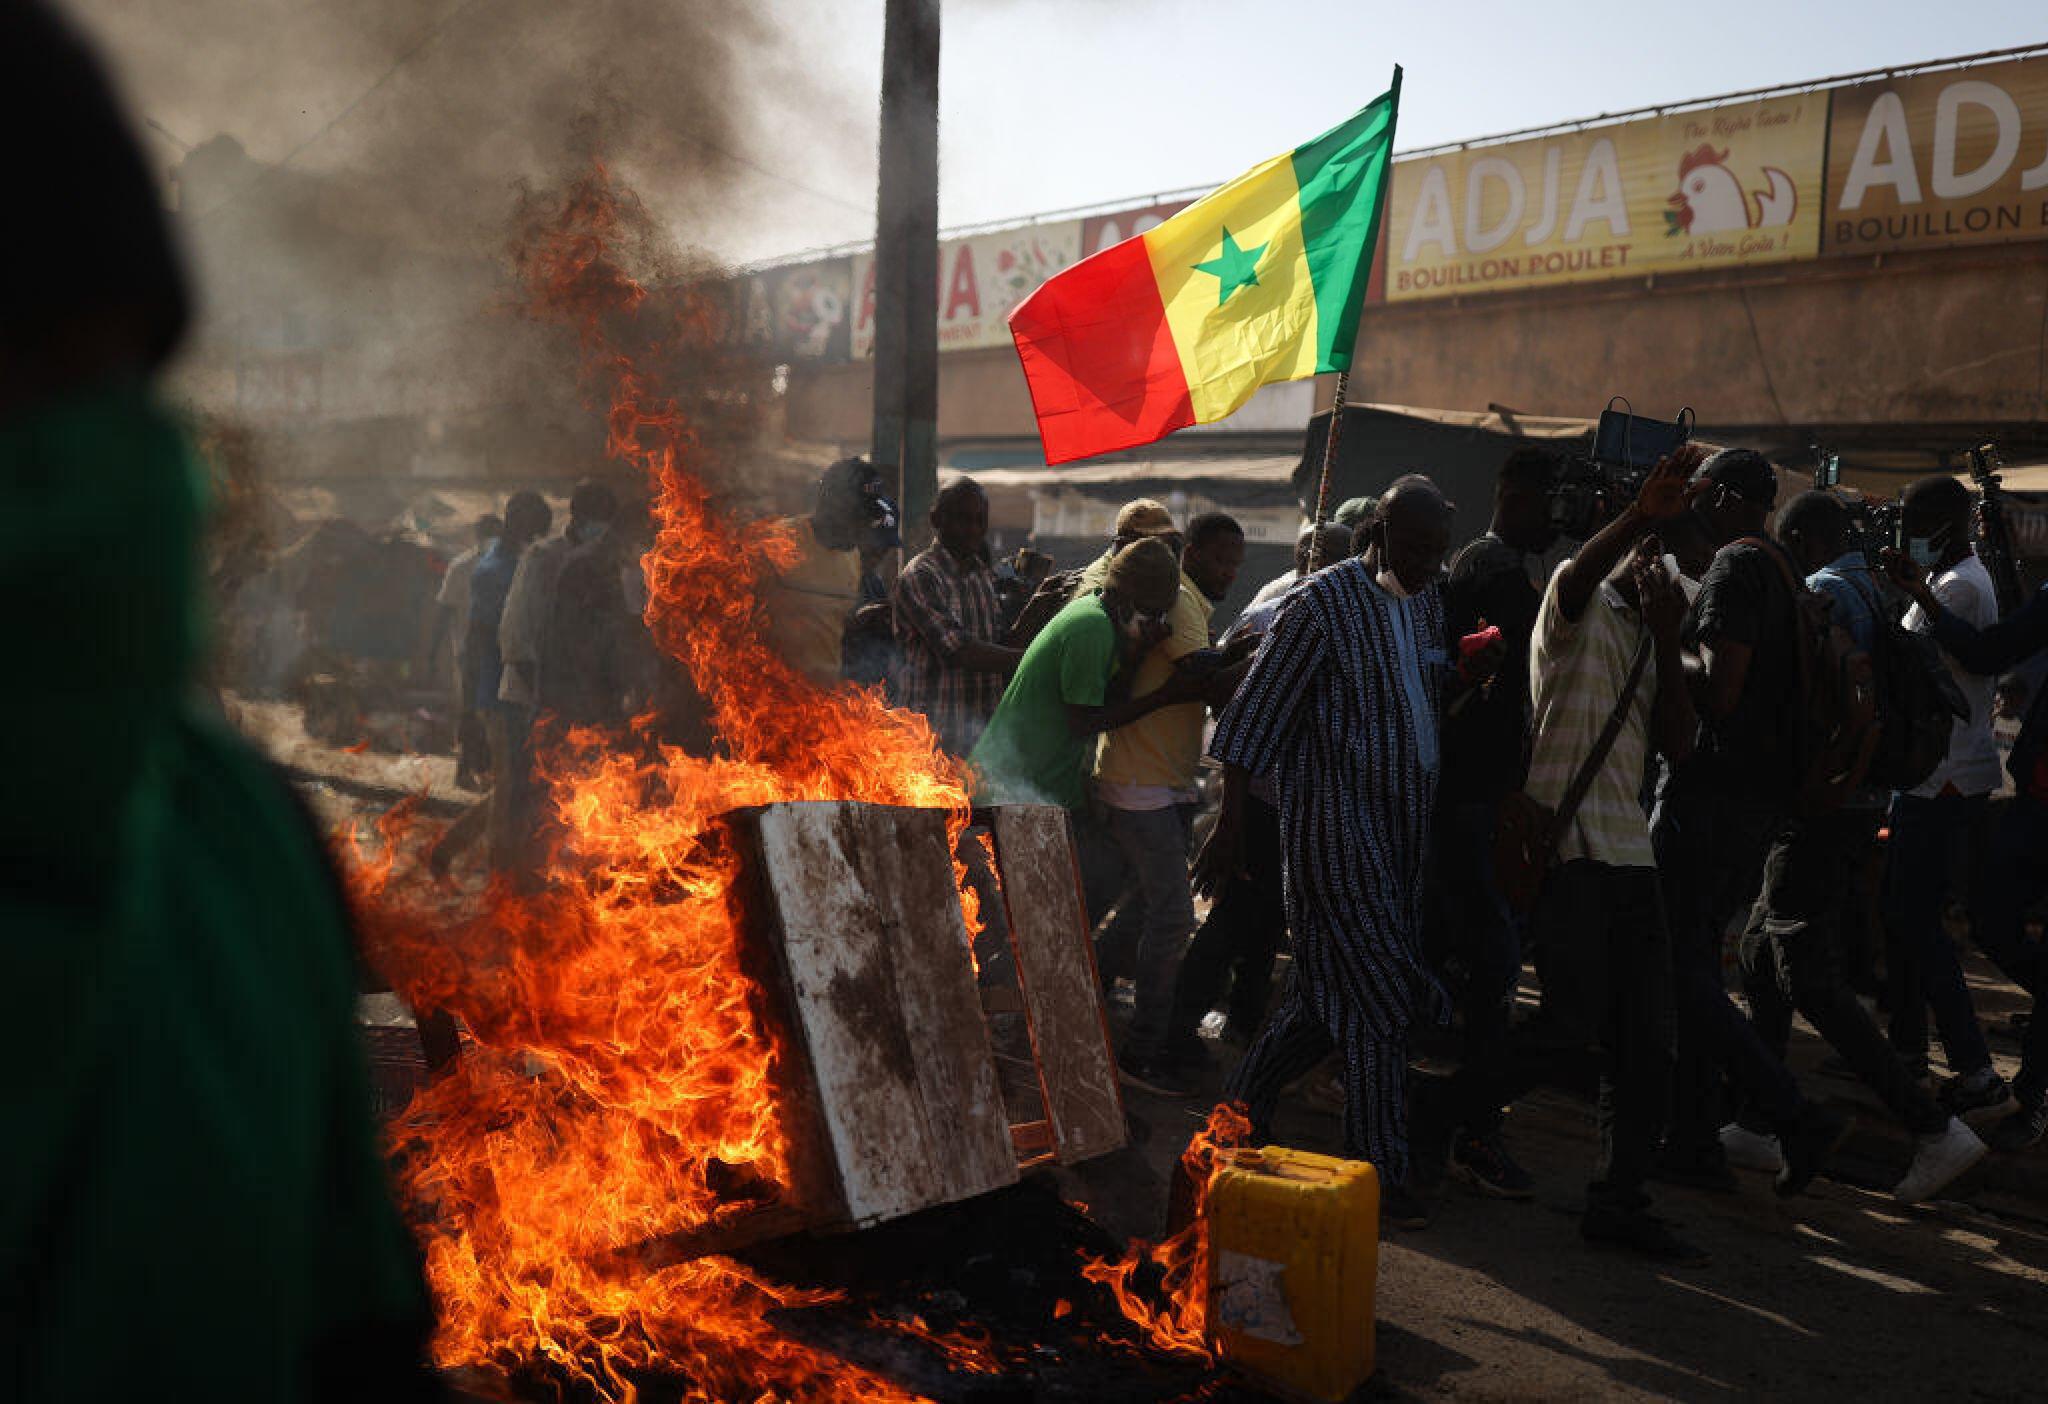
(1341, 707)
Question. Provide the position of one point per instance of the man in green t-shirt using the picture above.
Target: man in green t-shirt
(1040, 743)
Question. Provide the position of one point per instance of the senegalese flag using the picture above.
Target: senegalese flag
(1257, 282)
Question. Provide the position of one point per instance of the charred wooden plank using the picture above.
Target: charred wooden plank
(1056, 968)
(883, 1009)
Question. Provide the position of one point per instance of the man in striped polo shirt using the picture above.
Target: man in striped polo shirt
(1603, 948)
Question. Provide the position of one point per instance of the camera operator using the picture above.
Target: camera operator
(1609, 691)
(1485, 756)
(1792, 952)
(1945, 810)
(1718, 813)
(2014, 875)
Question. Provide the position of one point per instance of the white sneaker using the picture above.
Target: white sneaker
(1940, 1158)
(1751, 1150)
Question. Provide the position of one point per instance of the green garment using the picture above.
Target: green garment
(1028, 755)
(192, 1204)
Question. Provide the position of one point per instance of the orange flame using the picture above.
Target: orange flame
(1180, 1324)
(968, 1348)
(623, 1082)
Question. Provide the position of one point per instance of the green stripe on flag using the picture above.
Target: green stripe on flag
(1342, 177)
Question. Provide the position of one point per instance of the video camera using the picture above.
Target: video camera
(1993, 530)
(1589, 489)
(1873, 521)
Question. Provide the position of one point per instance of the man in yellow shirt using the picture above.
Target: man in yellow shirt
(808, 604)
(1145, 780)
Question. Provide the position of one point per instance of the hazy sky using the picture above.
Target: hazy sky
(1050, 103)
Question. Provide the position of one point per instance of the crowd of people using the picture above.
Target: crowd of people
(1429, 768)
(192, 1128)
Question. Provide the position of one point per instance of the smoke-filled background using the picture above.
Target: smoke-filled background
(349, 176)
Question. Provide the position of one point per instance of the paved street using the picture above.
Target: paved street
(1839, 1294)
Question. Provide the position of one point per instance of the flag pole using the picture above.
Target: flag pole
(1315, 550)
(1337, 401)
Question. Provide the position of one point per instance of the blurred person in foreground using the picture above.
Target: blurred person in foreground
(191, 1202)
(1343, 705)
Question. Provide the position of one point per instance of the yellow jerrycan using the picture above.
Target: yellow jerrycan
(1293, 1261)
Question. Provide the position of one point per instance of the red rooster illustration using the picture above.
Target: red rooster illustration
(1710, 199)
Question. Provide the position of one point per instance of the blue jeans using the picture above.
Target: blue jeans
(1931, 976)
(1154, 845)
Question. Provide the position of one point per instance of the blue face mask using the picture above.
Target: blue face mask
(1926, 551)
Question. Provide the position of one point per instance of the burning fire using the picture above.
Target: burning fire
(1179, 1325)
(622, 1086)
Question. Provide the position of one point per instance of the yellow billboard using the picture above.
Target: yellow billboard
(1721, 186)
(1959, 157)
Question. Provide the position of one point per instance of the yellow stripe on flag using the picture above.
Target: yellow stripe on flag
(1242, 308)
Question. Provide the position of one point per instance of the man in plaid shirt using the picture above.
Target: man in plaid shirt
(949, 623)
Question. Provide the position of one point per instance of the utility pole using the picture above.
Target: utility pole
(907, 262)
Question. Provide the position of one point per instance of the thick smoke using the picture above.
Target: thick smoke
(441, 106)
(347, 176)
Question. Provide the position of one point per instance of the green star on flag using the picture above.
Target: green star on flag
(1233, 267)
(1135, 341)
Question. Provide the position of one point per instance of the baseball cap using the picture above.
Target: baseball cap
(1744, 472)
(1144, 517)
(1145, 570)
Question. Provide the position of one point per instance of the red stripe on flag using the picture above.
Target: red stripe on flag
(1099, 357)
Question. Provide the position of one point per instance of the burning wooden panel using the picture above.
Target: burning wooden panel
(1056, 968)
(895, 1107)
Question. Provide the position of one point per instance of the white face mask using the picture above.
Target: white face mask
(1134, 627)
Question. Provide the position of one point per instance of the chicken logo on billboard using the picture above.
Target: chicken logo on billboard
(1584, 205)
(1711, 200)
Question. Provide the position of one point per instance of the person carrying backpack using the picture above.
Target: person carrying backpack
(1716, 817)
(1792, 951)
